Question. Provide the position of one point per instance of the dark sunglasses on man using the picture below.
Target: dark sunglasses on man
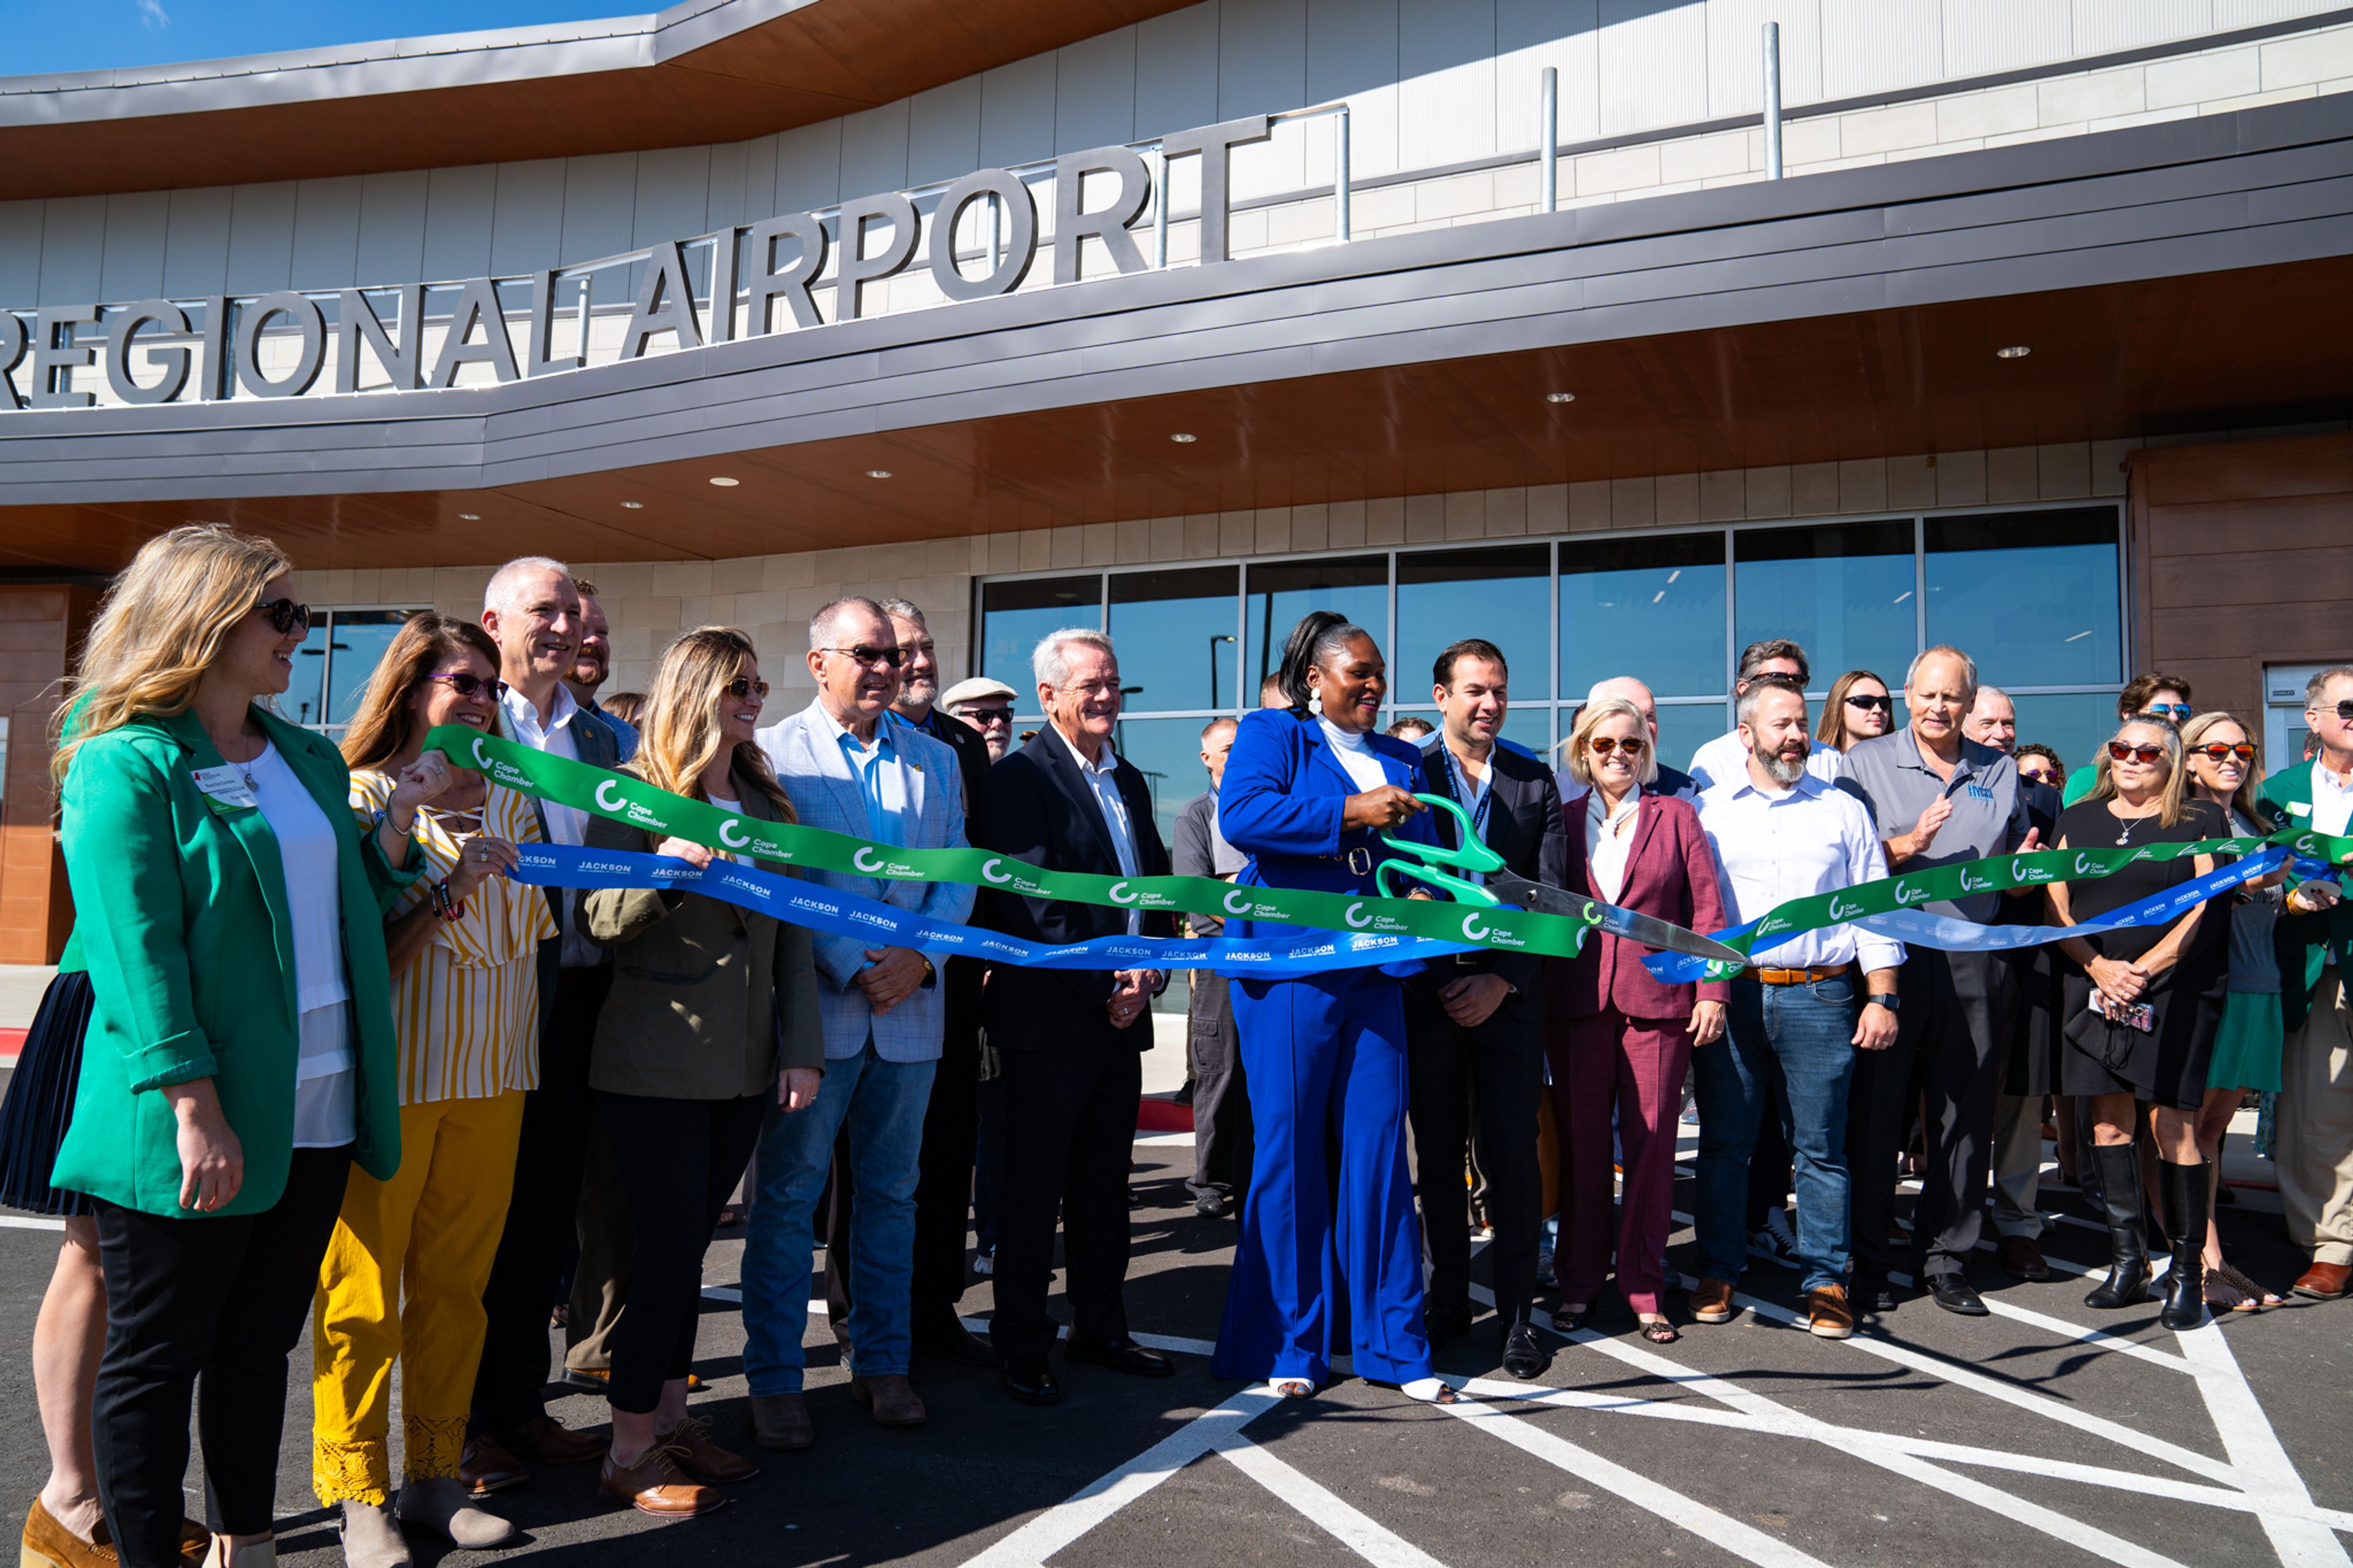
(286, 615)
(466, 683)
(2344, 711)
(2176, 711)
(2217, 751)
(862, 653)
(1867, 702)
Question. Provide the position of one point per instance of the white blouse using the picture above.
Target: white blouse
(1608, 838)
(326, 1090)
(1355, 754)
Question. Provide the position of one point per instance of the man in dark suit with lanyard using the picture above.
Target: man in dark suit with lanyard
(1475, 1023)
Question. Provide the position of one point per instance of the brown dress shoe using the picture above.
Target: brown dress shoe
(655, 1485)
(485, 1466)
(781, 1421)
(47, 1542)
(1828, 1317)
(704, 1459)
(1711, 1302)
(2324, 1281)
(892, 1398)
(2022, 1259)
(543, 1438)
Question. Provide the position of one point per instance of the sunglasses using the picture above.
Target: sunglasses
(2040, 775)
(990, 715)
(744, 685)
(465, 683)
(2171, 710)
(1602, 745)
(286, 615)
(2344, 711)
(893, 656)
(2220, 752)
(2122, 752)
(1868, 703)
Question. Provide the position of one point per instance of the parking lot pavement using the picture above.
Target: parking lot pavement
(2042, 1434)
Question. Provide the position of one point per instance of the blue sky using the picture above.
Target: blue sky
(44, 35)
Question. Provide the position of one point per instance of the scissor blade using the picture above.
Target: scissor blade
(1647, 930)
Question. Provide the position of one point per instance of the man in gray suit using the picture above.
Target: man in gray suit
(849, 770)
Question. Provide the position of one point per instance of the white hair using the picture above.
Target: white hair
(904, 610)
(1047, 661)
(499, 593)
(1943, 650)
(1984, 692)
(823, 624)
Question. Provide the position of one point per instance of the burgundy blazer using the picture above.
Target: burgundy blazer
(1670, 873)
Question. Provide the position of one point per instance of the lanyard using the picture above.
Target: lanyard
(1486, 795)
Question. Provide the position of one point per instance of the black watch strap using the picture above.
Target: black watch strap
(1887, 999)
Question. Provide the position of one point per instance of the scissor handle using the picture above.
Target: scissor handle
(1468, 854)
(1464, 892)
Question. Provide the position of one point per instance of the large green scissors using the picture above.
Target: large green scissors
(1501, 887)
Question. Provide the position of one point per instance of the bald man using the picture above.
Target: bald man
(1670, 781)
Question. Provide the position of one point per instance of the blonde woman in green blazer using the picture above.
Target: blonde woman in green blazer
(240, 1055)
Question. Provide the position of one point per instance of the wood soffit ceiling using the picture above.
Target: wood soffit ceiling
(825, 58)
(2258, 348)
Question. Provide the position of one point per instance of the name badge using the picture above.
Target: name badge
(225, 789)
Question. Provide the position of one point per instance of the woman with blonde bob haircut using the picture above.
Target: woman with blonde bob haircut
(241, 1057)
(2142, 1007)
(1618, 1039)
(714, 1008)
(405, 1270)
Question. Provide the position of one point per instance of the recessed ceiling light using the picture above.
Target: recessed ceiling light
(1561, 398)
(469, 517)
(2015, 350)
(724, 483)
(878, 473)
(633, 506)
(1184, 438)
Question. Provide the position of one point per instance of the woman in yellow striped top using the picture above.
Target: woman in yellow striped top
(404, 1273)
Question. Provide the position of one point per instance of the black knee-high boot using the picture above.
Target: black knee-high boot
(2127, 1281)
(2186, 1192)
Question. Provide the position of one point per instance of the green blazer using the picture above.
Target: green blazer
(2305, 943)
(181, 919)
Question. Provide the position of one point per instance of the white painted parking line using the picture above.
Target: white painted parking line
(1342, 1520)
(29, 1222)
(2254, 1448)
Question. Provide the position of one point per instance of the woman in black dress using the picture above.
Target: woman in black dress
(2142, 1007)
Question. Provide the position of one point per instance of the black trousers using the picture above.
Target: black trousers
(1772, 1170)
(678, 1161)
(943, 1171)
(1481, 1083)
(1071, 1133)
(1954, 1027)
(1223, 1145)
(510, 1385)
(222, 1301)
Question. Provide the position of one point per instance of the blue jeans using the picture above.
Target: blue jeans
(1789, 1049)
(884, 1104)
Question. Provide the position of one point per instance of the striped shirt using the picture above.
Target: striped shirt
(466, 1012)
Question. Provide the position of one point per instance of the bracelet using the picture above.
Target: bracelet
(385, 816)
(445, 907)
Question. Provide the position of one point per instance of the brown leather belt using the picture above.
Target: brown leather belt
(1792, 976)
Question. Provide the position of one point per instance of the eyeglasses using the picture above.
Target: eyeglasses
(2122, 752)
(893, 656)
(1602, 745)
(286, 615)
(1868, 703)
(989, 716)
(466, 683)
(2344, 711)
(2040, 775)
(2175, 710)
(744, 685)
(2218, 753)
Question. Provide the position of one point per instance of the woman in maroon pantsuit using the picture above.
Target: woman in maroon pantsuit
(1616, 1035)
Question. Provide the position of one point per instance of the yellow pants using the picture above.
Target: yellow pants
(403, 1280)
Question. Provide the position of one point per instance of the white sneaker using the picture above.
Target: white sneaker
(985, 1262)
(1777, 1239)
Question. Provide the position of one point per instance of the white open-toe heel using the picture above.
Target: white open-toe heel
(1431, 1391)
(1290, 1388)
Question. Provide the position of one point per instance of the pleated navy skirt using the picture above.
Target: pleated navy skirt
(40, 1102)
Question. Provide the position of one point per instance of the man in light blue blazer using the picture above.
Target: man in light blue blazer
(851, 770)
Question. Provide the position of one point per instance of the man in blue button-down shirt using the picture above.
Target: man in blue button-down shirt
(849, 770)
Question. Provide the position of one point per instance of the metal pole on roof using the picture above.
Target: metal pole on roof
(1340, 177)
(1772, 101)
(1548, 155)
(1159, 206)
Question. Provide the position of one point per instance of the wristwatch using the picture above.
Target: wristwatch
(1887, 999)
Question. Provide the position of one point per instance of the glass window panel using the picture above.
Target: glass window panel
(361, 637)
(1844, 592)
(1176, 636)
(1015, 616)
(1357, 586)
(2032, 595)
(2074, 724)
(1650, 607)
(1167, 753)
(1684, 728)
(304, 699)
(1528, 726)
(1444, 595)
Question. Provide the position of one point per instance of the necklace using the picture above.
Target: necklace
(2130, 822)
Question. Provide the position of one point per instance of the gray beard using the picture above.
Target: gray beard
(1785, 770)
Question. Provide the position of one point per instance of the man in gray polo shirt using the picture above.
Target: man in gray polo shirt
(1938, 799)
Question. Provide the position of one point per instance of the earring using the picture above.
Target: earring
(1315, 700)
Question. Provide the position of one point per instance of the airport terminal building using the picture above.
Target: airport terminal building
(2026, 324)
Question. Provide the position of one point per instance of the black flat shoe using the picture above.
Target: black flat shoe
(951, 1341)
(1524, 1357)
(1871, 1295)
(1955, 1294)
(1128, 1357)
(1033, 1383)
(1213, 1205)
(1444, 1324)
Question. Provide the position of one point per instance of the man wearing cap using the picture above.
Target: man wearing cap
(986, 705)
